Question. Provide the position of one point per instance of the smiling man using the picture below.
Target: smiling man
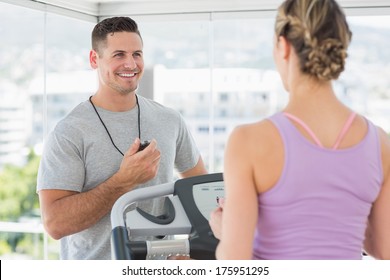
(95, 154)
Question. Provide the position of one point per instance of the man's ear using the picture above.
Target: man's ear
(284, 47)
(93, 59)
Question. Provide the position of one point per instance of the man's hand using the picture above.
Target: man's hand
(138, 167)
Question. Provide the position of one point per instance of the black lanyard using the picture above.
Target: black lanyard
(108, 133)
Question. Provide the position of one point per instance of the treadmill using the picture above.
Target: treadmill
(183, 230)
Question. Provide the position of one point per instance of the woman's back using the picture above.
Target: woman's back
(319, 206)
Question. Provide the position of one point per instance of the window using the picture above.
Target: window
(230, 63)
(217, 73)
(364, 84)
(44, 72)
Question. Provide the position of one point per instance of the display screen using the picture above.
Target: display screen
(206, 196)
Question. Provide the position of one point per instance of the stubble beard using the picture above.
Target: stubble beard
(121, 90)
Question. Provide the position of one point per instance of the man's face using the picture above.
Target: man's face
(120, 62)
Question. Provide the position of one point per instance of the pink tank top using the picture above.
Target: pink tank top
(319, 207)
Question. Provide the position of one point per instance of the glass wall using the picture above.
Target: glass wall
(364, 84)
(44, 72)
(177, 62)
(220, 73)
(217, 73)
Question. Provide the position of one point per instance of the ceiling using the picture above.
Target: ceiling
(147, 7)
(105, 8)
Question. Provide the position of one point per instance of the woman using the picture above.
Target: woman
(312, 181)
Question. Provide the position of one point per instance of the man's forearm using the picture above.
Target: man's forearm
(76, 212)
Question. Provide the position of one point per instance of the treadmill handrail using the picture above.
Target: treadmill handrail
(136, 195)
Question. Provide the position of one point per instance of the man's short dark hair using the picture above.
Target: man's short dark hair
(110, 26)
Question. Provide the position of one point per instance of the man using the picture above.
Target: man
(92, 157)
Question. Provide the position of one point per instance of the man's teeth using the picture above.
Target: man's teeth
(127, 75)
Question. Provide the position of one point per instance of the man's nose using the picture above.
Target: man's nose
(130, 63)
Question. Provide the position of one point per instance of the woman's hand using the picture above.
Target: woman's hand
(216, 219)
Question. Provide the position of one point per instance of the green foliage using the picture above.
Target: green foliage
(4, 247)
(18, 198)
(18, 189)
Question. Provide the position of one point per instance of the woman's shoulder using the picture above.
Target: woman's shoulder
(260, 132)
(257, 140)
(258, 149)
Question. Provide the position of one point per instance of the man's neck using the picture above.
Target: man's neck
(114, 102)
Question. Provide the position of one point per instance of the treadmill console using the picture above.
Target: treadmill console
(206, 196)
(139, 235)
(199, 196)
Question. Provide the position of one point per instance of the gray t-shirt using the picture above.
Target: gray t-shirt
(79, 155)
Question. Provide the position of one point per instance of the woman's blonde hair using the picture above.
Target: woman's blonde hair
(319, 33)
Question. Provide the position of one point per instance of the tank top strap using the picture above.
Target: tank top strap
(344, 131)
(340, 137)
(308, 130)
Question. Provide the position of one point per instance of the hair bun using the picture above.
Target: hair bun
(325, 60)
